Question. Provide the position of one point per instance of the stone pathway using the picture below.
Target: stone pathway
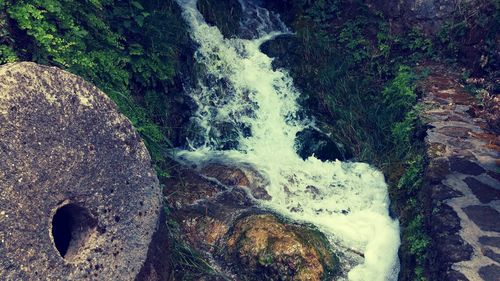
(464, 183)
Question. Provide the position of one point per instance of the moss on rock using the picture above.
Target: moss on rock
(267, 247)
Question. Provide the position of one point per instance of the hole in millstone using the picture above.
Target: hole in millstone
(71, 227)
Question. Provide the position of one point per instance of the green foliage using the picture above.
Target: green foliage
(419, 43)
(266, 259)
(399, 95)
(7, 54)
(418, 240)
(352, 38)
(129, 49)
(415, 241)
(412, 178)
(402, 112)
(473, 21)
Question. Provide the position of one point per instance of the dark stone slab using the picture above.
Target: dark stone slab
(465, 166)
(453, 248)
(442, 192)
(490, 241)
(457, 118)
(454, 275)
(445, 220)
(492, 255)
(490, 272)
(437, 170)
(482, 191)
(487, 218)
(459, 132)
(494, 175)
(313, 142)
(447, 245)
(79, 199)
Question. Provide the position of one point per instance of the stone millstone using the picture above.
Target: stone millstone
(78, 196)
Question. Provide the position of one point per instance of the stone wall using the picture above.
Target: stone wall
(462, 183)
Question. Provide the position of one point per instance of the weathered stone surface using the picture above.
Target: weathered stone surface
(451, 131)
(242, 176)
(436, 149)
(485, 217)
(482, 191)
(465, 166)
(79, 199)
(490, 272)
(188, 187)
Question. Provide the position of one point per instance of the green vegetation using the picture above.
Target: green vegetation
(129, 49)
(407, 175)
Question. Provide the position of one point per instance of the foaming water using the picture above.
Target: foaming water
(243, 95)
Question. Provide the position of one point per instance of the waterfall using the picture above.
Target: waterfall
(247, 113)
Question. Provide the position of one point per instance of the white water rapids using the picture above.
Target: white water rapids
(243, 94)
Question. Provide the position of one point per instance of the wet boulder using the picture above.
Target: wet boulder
(78, 196)
(313, 142)
(268, 248)
(241, 176)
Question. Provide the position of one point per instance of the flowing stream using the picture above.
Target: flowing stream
(248, 113)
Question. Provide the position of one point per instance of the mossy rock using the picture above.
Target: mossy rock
(265, 247)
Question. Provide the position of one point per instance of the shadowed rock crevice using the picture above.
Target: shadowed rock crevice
(71, 227)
